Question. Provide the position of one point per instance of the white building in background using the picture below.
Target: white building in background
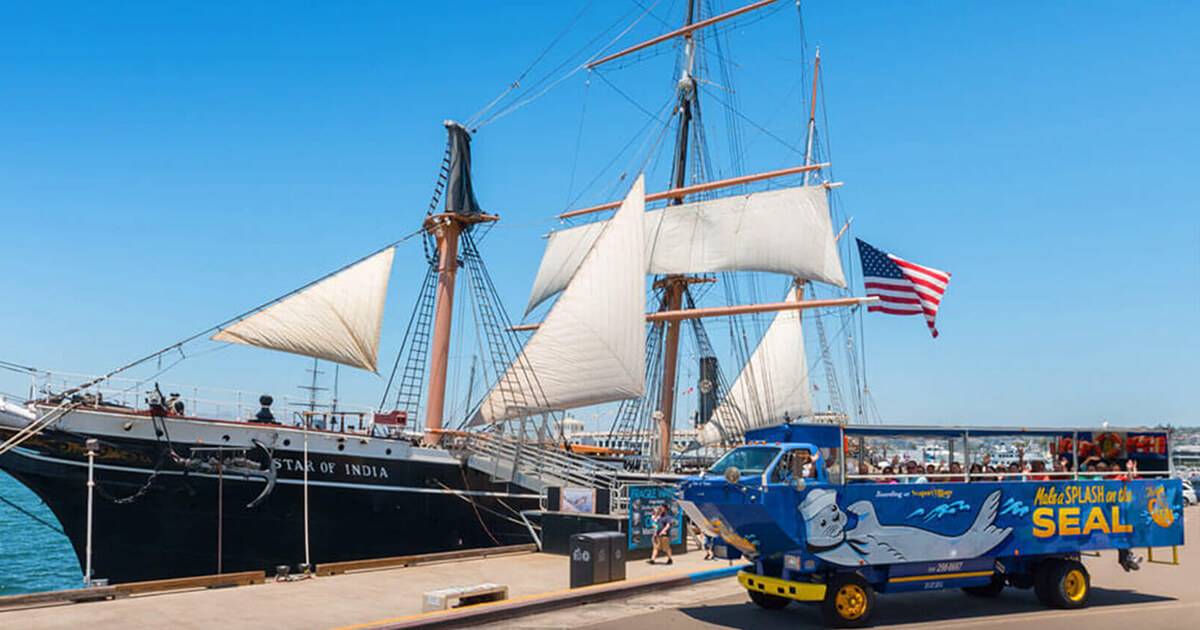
(570, 427)
(637, 441)
(1187, 456)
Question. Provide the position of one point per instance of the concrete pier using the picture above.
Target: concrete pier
(1156, 597)
(357, 599)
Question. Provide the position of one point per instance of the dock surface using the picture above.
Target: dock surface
(323, 603)
(1155, 597)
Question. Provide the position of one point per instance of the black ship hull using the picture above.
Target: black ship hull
(158, 520)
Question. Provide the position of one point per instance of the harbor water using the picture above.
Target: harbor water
(33, 556)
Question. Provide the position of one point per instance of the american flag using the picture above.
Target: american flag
(903, 288)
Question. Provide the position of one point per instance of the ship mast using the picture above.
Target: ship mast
(831, 382)
(674, 286)
(462, 211)
(677, 269)
(812, 116)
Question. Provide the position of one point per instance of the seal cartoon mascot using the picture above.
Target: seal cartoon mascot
(871, 542)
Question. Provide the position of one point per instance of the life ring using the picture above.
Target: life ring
(1110, 444)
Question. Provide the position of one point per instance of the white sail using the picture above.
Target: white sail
(338, 319)
(590, 348)
(785, 231)
(771, 388)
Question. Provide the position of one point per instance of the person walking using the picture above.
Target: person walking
(702, 541)
(662, 534)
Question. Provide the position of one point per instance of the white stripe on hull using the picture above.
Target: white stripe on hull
(288, 481)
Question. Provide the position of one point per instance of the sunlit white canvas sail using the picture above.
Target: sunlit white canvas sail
(771, 388)
(785, 231)
(591, 347)
(338, 319)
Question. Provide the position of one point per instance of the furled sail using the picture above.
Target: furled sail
(786, 231)
(460, 192)
(591, 346)
(772, 387)
(337, 319)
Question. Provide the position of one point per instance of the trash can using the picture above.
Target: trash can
(589, 559)
(616, 555)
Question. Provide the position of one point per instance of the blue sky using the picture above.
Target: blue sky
(166, 165)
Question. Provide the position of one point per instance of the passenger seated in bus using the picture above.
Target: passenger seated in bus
(956, 472)
(1062, 469)
(1014, 473)
(913, 473)
(797, 464)
(984, 469)
(802, 464)
(1096, 471)
(890, 473)
(978, 473)
(1037, 471)
(1129, 473)
(863, 470)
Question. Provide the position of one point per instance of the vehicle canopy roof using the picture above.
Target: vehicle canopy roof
(828, 435)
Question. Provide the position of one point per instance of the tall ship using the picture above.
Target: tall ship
(188, 484)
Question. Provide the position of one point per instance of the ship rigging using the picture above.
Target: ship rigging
(601, 338)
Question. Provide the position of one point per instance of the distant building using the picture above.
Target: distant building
(1186, 456)
(830, 417)
(570, 427)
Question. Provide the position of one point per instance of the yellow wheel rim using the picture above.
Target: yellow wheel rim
(1075, 585)
(851, 601)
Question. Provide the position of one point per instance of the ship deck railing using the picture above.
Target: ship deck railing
(204, 402)
(216, 404)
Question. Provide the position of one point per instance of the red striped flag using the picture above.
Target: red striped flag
(903, 288)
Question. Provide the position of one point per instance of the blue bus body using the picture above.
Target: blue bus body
(916, 536)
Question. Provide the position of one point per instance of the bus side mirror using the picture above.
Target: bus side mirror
(733, 475)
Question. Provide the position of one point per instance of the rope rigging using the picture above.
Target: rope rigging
(33, 516)
(178, 346)
(522, 100)
(503, 345)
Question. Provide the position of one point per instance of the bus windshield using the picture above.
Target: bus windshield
(750, 460)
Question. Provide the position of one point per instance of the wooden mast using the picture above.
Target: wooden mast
(446, 229)
(812, 117)
(674, 286)
(461, 212)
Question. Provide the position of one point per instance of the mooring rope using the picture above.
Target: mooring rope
(38, 425)
(33, 516)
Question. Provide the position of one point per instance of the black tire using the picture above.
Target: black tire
(1068, 585)
(849, 601)
(991, 589)
(1041, 580)
(768, 602)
